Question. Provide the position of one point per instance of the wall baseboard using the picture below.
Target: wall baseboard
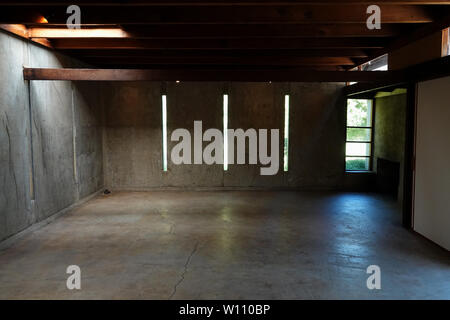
(219, 188)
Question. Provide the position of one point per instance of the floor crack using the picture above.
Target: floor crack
(184, 271)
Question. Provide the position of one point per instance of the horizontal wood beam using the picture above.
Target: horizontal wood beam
(198, 31)
(430, 70)
(51, 33)
(212, 2)
(255, 43)
(291, 74)
(247, 61)
(358, 89)
(333, 13)
(219, 68)
(178, 53)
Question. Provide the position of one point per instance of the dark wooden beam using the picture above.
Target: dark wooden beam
(198, 31)
(206, 60)
(430, 70)
(213, 2)
(357, 90)
(291, 74)
(219, 68)
(178, 53)
(254, 43)
(332, 13)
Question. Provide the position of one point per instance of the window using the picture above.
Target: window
(377, 64)
(164, 131)
(358, 151)
(446, 42)
(286, 133)
(225, 132)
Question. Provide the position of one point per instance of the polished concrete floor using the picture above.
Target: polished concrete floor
(226, 245)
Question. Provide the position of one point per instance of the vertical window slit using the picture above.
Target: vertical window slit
(286, 134)
(225, 132)
(164, 131)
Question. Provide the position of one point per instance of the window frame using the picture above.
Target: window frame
(371, 142)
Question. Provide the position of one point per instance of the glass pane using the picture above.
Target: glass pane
(357, 149)
(286, 133)
(354, 163)
(164, 131)
(355, 134)
(359, 113)
(225, 129)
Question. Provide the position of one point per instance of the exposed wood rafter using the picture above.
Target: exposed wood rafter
(209, 75)
(240, 34)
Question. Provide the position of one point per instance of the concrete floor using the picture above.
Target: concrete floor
(226, 245)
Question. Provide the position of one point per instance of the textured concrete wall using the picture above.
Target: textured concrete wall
(15, 160)
(59, 160)
(317, 149)
(133, 140)
(132, 137)
(389, 140)
(258, 106)
(88, 129)
(187, 102)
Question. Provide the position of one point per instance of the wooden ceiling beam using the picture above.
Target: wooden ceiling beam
(291, 74)
(207, 61)
(122, 3)
(263, 53)
(195, 31)
(425, 71)
(335, 13)
(231, 44)
(195, 67)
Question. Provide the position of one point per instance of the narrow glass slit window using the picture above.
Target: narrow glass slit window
(164, 131)
(286, 133)
(225, 132)
(358, 148)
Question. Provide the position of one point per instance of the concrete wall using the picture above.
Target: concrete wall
(133, 140)
(50, 138)
(132, 136)
(317, 150)
(389, 139)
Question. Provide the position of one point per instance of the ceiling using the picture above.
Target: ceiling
(220, 34)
